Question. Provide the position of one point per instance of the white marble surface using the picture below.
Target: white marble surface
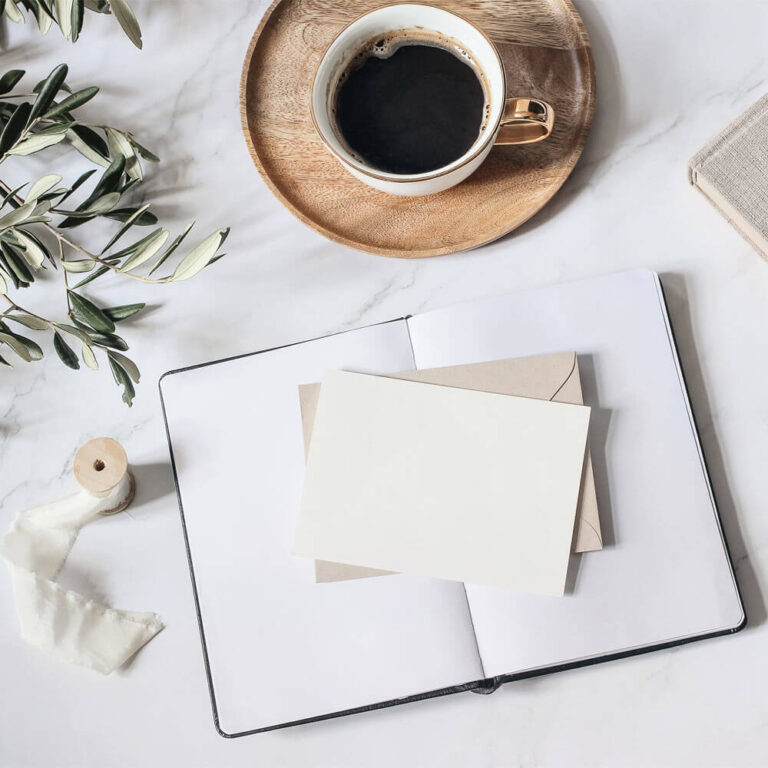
(670, 75)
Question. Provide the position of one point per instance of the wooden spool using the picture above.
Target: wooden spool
(100, 466)
(546, 54)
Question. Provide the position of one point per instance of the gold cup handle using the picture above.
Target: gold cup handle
(525, 121)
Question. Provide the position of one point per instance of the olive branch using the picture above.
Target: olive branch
(32, 240)
(69, 15)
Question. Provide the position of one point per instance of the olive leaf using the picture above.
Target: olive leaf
(35, 323)
(65, 352)
(41, 186)
(36, 143)
(127, 20)
(122, 379)
(29, 128)
(79, 265)
(33, 253)
(146, 252)
(19, 348)
(63, 10)
(127, 365)
(199, 256)
(14, 127)
(89, 358)
(9, 79)
(51, 86)
(90, 314)
(76, 19)
(116, 314)
(72, 101)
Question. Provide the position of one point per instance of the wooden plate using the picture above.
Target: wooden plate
(546, 53)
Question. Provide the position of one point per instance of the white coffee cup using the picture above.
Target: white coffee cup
(509, 120)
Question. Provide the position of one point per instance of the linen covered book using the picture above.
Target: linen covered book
(732, 171)
(280, 649)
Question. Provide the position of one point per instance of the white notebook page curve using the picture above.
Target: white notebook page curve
(281, 647)
(665, 575)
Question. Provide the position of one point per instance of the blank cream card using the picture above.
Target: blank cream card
(443, 482)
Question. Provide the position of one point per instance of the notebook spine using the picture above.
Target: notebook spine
(488, 686)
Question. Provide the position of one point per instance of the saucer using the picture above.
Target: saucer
(547, 55)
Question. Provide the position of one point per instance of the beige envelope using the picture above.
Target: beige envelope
(544, 377)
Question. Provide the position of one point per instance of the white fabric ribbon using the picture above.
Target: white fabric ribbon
(62, 622)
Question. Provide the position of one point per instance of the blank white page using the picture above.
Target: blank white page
(664, 573)
(281, 647)
(444, 482)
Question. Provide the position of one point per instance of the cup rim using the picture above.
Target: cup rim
(408, 178)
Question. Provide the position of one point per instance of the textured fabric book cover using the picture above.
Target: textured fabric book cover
(732, 171)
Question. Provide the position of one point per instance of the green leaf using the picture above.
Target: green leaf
(35, 143)
(83, 214)
(127, 20)
(81, 335)
(135, 216)
(41, 246)
(104, 203)
(89, 313)
(123, 312)
(33, 349)
(65, 352)
(110, 179)
(110, 340)
(42, 14)
(64, 15)
(35, 323)
(13, 13)
(172, 247)
(146, 252)
(126, 364)
(134, 246)
(143, 151)
(10, 196)
(14, 127)
(42, 185)
(122, 379)
(77, 99)
(48, 91)
(78, 11)
(3, 283)
(78, 265)
(18, 215)
(98, 273)
(9, 79)
(119, 145)
(33, 253)
(89, 358)
(200, 255)
(89, 144)
(8, 273)
(61, 127)
(19, 348)
(17, 265)
(144, 219)
(82, 179)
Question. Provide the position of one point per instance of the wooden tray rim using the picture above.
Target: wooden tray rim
(564, 173)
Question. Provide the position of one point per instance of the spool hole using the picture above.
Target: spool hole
(98, 465)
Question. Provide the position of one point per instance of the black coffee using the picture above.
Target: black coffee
(411, 111)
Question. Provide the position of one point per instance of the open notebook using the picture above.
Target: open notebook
(281, 649)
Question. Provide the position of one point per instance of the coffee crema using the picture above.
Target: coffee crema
(409, 103)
